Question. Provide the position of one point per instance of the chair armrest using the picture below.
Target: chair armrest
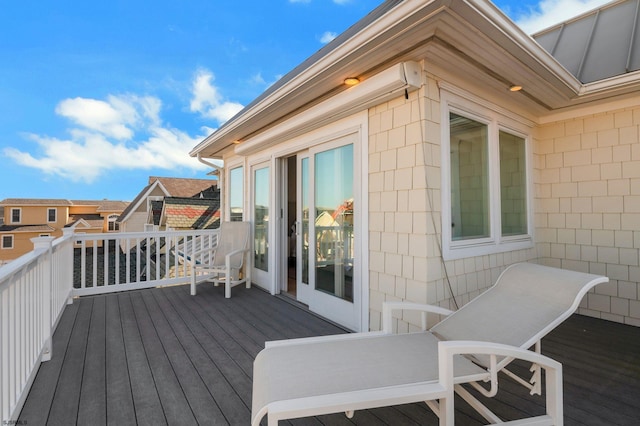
(553, 369)
(389, 307)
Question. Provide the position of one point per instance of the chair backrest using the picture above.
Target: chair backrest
(233, 236)
(526, 302)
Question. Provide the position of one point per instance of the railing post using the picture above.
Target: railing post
(44, 244)
(68, 232)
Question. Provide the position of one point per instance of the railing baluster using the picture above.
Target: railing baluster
(105, 254)
(95, 264)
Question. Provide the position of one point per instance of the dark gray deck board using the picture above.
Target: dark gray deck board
(120, 409)
(174, 402)
(146, 402)
(161, 356)
(220, 390)
(93, 398)
(67, 396)
(37, 406)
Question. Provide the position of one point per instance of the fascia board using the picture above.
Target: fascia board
(380, 88)
(500, 22)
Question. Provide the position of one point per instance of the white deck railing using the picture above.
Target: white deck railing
(35, 288)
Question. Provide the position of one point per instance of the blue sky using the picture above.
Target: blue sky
(95, 97)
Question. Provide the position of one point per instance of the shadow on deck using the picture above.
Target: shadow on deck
(160, 356)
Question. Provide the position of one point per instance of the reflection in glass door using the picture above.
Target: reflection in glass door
(261, 225)
(334, 237)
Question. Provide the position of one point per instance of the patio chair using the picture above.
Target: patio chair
(223, 262)
(330, 374)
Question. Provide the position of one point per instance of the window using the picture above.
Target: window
(112, 224)
(485, 184)
(44, 235)
(52, 215)
(16, 215)
(7, 241)
(236, 194)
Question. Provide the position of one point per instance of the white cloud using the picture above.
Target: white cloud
(551, 12)
(207, 100)
(121, 132)
(327, 37)
(299, 1)
(341, 1)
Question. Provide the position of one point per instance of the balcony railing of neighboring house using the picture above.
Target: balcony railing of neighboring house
(35, 288)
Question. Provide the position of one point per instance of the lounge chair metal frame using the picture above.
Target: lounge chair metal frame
(283, 390)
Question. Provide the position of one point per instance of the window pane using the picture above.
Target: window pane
(261, 219)
(52, 215)
(334, 222)
(469, 178)
(7, 241)
(15, 215)
(513, 189)
(236, 191)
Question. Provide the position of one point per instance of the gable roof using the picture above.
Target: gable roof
(461, 38)
(171, 187)
(184, 187)
(599, 44)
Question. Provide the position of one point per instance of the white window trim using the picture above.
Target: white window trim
(112, 218)
(55, 214)
(12, 242)
(11, 215)
(151, 198)
(496, 121)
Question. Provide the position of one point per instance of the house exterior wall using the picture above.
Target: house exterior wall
(135, 222)
(30, 215)
(404, 214)
(588, 216)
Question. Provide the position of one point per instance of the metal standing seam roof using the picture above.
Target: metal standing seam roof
(599, 44)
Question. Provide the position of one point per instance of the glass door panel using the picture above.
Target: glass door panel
(333, 239)
(261, 219)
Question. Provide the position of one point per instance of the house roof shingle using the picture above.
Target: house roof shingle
(35, 202)
(26, 228)
(173, 187)
(191, 213)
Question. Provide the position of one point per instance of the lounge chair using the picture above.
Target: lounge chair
(221, 261)
(330, 374)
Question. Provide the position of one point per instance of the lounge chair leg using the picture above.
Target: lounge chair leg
(349, 414)
(477, 405)
(227, 286)
(193, 283)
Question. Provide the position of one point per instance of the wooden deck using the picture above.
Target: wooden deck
(159, 356)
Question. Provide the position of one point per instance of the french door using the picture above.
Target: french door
(327, 273)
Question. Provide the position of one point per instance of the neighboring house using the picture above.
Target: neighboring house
(26, 218)
(466, 146)
(148, 211)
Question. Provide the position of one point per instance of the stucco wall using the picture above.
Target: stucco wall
(588, 197)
